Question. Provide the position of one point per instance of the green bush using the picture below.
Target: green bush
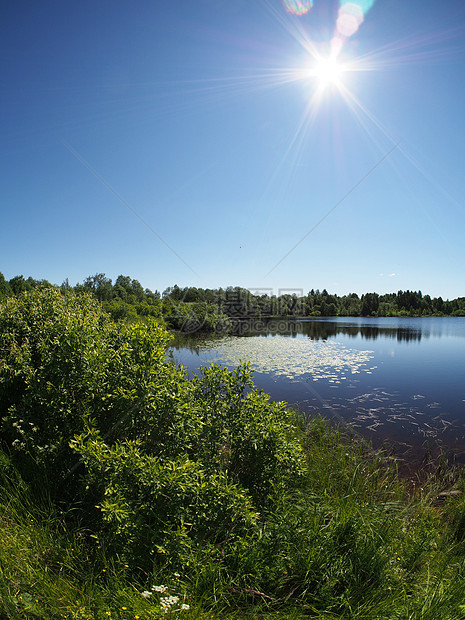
(162, 511)
(194, 317)
(65, 366)
(108, 421)
(245, 433)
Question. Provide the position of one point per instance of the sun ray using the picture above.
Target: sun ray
(217, 90)
(325, 73)
(296, 143)
(357, 107)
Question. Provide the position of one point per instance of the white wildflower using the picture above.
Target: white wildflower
(185, 607)
(167, 601)
(161, 588)
(146, 594)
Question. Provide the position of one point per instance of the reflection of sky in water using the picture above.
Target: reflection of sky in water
(395, 379)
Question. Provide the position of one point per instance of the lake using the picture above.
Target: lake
(395, 380)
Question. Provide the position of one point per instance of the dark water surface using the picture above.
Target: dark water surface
(396, 380)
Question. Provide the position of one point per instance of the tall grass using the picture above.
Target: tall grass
(351, 542)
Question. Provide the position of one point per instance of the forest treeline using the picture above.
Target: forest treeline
(240, 302)
(192, 308)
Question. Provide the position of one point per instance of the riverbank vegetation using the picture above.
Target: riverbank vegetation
(192, 309)
(129, 491)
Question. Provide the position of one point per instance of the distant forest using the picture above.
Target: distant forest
(191, 308)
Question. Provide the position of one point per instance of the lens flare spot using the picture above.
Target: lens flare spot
(350, 19)
(298, 7)
(365, 5)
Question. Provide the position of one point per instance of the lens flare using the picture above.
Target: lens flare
(298, 7)
(351, 16)
(365, 5)
(349, 20)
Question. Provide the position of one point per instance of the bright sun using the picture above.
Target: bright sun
(328, 71)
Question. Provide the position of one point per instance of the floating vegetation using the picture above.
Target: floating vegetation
(293, 358)
(298, 359)
(379, 409)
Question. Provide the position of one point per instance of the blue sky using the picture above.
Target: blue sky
(191, 142)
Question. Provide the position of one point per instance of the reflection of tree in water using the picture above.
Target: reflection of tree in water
(401, 334)
(314, 329)
(325, 330)
(408, 335)
(322, 330)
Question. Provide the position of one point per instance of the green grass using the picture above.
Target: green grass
(350, 542)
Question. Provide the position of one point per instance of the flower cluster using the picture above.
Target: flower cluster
(166, 602)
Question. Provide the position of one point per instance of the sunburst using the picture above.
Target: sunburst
(327, 71)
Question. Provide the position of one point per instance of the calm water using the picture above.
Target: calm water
(398, 380)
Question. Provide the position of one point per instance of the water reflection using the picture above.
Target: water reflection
(408, 388)
(315, 329)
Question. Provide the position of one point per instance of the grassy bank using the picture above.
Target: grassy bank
(350, 543)
(130, 491)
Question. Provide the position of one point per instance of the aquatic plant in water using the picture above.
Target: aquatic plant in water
(294, 358)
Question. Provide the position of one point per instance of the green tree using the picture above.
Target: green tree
(100, 286)
(173, 465)
(122, 288)
(137, 290)
(18, 284)
(5, 288)
(370, 304)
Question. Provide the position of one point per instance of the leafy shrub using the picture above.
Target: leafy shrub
(245, 433)
(66, 366)
(162, 453)
(194, 317)
(160, 510)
